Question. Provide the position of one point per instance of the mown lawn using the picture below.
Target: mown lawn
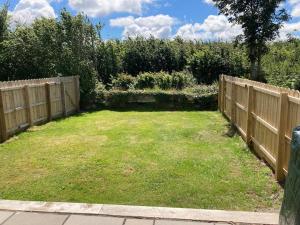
(174, 159)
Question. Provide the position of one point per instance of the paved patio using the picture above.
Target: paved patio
(28, 218)
(47, 213)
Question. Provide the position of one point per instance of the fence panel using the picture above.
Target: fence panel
(264, 115)
(32, 102)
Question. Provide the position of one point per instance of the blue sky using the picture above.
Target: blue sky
(190, 19)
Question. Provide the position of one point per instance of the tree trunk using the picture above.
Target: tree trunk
(253, 75)
(258, 70)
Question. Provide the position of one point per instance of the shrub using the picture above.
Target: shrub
(146, 80)
(123, 82)
(163, 80)
(158, 99)
(182, 80)
(206, 66)
(201, 90)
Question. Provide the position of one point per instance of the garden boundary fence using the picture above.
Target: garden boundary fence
(26, 103)
(264, 115)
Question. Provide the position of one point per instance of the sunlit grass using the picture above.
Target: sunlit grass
(174, 159)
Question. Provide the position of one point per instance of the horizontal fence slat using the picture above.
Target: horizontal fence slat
(264, 115)
(30, 102)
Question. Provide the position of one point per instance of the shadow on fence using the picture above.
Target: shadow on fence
(264, 115)
(33, 102)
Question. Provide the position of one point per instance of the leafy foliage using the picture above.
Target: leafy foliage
(123, 82)
(260, 20)
(3, 21)
(282, 65)
(161, 99)
(52, 47)
(72, 45)
(146, 80)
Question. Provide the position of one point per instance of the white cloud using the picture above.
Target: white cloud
(296, 10)
(97, 8)
(213, 28)
(295, 4)
(26, 11)
(289, 28)
(210, 2)
(159, 26)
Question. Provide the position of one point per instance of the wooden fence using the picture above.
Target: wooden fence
(31, 102)
(264, 115)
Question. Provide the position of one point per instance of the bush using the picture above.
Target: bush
(182, 80)
(192, 98)
(123, 82)
(163, 80)
(201, 90)
(146, 80)
(206, 66)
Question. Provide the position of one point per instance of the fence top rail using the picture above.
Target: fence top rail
(17, 83)
(267, 91)
(292, 93)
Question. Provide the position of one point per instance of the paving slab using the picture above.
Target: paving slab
(169, 222)
(93, 220)
(60, 207)
(142, 212)
(26, 218)
(4, 216)
(139, 222)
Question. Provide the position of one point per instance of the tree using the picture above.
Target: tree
(3, 21)
(260, 21)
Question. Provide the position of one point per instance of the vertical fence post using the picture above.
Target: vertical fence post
(220, 93)
(223, 93)
(28, 105)
(77, 92)
(63, 98)
(249, 114)
(48, 99)
(233, 102)
(3, 128)
(283, 107)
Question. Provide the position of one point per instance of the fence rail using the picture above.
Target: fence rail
(264, 115)
(26, 103)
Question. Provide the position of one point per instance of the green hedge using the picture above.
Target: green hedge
(158, 100)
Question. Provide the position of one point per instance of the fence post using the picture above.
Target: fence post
(77, 92)
(3, 128)
(48, 99)
(63, 98)
(28, 105)
(220, 93)
(233, 103)
(249, 114)
(223, 93)
(283, 107)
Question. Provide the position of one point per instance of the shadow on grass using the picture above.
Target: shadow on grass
(150, 108)
(232, 131)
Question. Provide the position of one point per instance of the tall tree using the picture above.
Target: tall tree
(3, 21)
(260, 20)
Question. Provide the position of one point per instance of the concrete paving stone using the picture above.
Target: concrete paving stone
(4, 215)
(93, 220)
(139, 222)
(170, 222)
(36, 219)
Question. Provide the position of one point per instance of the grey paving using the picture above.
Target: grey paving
(139, 222)
(4, 216)
(169, 222)
(93, 220)
(25, 218)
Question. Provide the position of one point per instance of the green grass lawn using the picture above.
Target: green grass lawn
(173, 159)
